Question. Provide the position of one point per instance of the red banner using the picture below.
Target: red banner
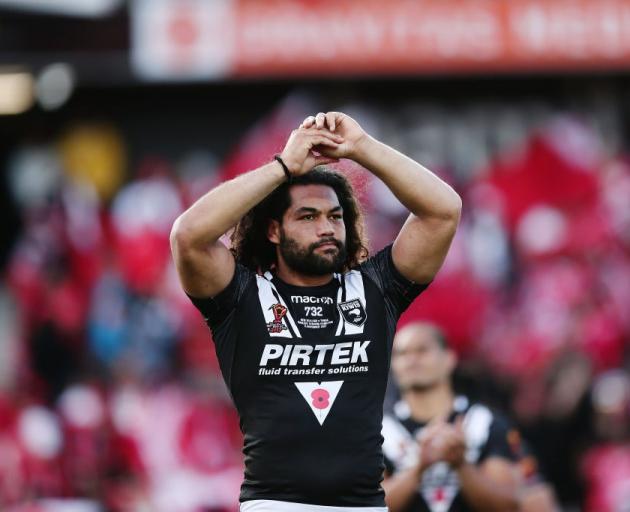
(246, 38)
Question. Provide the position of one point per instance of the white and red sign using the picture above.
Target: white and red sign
(182, 39)
(261, 38)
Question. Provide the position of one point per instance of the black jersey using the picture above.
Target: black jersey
(307, 370)
(487, 435)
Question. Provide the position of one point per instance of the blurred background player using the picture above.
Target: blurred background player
(443, 452)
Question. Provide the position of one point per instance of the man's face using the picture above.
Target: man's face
(418, 360)
(312, 236)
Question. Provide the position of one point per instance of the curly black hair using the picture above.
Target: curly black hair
(252, 248)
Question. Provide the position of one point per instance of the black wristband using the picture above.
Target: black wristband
(284, 168)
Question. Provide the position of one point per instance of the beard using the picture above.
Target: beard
(306, 261)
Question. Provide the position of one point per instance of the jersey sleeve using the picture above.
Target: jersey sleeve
(219, 314)
(398, 291)
(216, 310)
(500, 441)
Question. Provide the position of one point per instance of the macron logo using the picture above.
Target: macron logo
(306, 299)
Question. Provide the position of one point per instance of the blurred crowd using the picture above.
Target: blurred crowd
(110, 394)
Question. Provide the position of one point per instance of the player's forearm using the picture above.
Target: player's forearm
(221, 208)
(417, 188)
(400, 489)
(485, 495)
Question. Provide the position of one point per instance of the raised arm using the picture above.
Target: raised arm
(205, 266)
(421, 246)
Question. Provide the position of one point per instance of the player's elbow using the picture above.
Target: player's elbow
(448, 211)
(454, 208)
(177, 234)
(448, 220)
(182, 236)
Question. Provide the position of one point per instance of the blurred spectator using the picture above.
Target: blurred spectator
(443, 452)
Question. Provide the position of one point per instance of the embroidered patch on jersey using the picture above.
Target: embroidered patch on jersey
(320, 396)
(276, 325)
(353, 312)
(278, 319)
(351, 304)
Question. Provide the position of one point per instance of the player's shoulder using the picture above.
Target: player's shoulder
(244, 277)
(490, 431)
(397, 418)
(377, 259)
(463, 405)
(377, 268)
(479, 414)
(398, 413)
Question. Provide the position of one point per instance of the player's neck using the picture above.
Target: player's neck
(290, 276)
(427, 404)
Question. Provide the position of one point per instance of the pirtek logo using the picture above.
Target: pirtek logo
(306, 299)
(306, 355)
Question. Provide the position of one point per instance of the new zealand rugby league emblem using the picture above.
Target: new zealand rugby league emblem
(279, 312)
(353, 312)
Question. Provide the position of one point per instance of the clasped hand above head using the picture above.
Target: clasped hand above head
(322, 139)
